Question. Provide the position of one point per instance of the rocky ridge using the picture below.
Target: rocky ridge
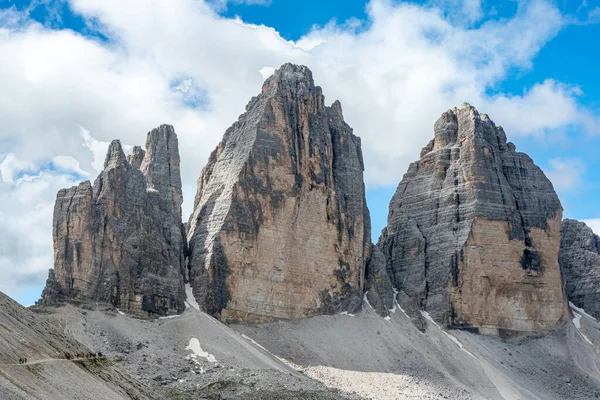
(121, 240)
(579, 259)
(280, 227)
(473, 233)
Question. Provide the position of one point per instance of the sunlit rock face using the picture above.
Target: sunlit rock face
(121, 241)
(580, 261)
(280, 227)
(473, 232)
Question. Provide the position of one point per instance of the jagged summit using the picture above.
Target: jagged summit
(121, 240)
(115, 155)
(473, 232)
(280, 227)
(448, 133)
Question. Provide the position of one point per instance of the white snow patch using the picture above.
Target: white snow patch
(195, 348)
(254, 342)
(190, 300)
(577, 323)
(120, 312)
(577, 320)
(396, 305)
(170, 316)
(580, 311)
(211, 318)
(367, 300)
(346, 313)
(151, 190)
(426, 315)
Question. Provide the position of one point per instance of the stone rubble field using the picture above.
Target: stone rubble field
(361, 356)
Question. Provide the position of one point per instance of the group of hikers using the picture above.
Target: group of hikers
(70, 356)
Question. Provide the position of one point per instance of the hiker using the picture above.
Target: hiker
(20, 361)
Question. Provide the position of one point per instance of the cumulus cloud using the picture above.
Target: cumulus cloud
(64, 95)
(593, 223)
(565, 174)
(25, 236)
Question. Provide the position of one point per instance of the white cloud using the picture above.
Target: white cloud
(68, 164)
(65, 96)
(465, 11)
(26, 209)
(10, 167)
(565, 174)
(593, 223)
(266, 72)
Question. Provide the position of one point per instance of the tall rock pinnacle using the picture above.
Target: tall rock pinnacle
(580, 262)
(473, 232)
(280, 227)
(121, 240)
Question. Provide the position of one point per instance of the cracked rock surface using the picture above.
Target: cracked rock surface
(473, 232)
(121, 240)
(280, 227)
(580, 261)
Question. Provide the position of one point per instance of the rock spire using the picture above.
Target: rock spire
(121, 241)
(280, 227)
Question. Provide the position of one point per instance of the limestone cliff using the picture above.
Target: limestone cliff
(579, 259)
(473, 232)
(280, 227)
(121, 241)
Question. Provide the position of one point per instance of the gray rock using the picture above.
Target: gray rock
(280, 227)
(579, 259)
(473, 231)
(121, 240)
(378, 285)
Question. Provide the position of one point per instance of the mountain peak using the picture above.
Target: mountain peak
(115, 155)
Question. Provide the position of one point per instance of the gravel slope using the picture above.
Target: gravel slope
(347, 357)
(383, 359)
(190, 355)
(48, 375)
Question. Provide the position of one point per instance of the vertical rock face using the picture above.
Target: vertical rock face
(473, 232)
(121, 240)
(580, 262)
(280, 227)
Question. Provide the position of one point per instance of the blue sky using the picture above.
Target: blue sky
(79, 73)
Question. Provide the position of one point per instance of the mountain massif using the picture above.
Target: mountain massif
(473, 232)
(474, 248)
(280, 227)
(121, 241)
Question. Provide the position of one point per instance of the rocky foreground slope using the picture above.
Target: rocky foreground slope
(280, 227)
(357, 356)
(48, 374)
(580, 262)
(390, 359)
(190, 356)
(121, 241)
(474, 231)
